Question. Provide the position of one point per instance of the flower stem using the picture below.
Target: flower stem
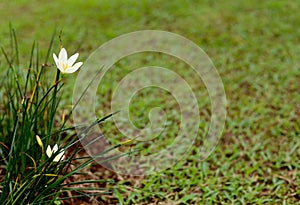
(53, 108)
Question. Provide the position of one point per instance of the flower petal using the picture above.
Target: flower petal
(55, 148)
(56, 60)
(74, 68)
(61, 69)
(59, 157)
(48, 151)
(72, 59)
(63, 56)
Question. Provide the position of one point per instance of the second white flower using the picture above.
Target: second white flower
(58, 157)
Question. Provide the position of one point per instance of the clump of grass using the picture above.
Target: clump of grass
(29, 109)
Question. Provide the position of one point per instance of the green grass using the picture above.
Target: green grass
(254, 45)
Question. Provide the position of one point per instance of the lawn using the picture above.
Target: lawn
(255, 47)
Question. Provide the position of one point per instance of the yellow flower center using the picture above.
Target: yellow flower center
(65, 66)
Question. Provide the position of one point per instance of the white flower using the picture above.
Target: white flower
(58, 157)
(64, 64)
